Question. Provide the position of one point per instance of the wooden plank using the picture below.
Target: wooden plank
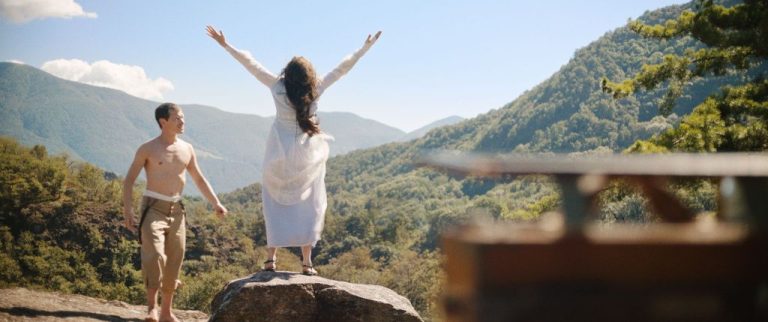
(589, 302)
(703, 271)
(569, 270)
(673, 164)
(680, 253)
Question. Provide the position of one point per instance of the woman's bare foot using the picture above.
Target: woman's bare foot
(152, 315)
(270, 265)
(308, 270)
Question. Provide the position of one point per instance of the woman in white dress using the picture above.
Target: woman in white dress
(293, 184)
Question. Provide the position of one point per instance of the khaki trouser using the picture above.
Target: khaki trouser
(163, 234)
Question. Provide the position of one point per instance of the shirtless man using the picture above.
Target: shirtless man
(162, 229)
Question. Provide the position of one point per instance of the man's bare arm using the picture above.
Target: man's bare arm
(203, 185)
(130, 178)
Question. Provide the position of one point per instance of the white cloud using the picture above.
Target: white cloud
(19, 11)
(15, 61)
(130, 79)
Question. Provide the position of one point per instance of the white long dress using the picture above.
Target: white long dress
(293, 182)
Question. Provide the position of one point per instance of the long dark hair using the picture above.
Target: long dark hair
(301, 87)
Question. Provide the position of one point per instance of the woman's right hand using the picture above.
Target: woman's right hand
(218, 36)
(372, 40)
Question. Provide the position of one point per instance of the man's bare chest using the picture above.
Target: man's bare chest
(171, 158)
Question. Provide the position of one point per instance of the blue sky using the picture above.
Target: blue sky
(435, 58)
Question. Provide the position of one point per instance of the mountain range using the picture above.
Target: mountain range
(565, 113)
(105, 126)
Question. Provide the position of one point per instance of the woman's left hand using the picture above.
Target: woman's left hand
(219, 35)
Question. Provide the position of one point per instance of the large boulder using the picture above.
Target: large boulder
(288, 296)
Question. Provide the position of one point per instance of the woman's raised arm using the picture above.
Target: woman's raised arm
(346, 64)
(245, 58)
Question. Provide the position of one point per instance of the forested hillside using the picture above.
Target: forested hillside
(61, 229)
(567, 113)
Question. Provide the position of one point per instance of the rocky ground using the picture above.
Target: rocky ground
(20, 304)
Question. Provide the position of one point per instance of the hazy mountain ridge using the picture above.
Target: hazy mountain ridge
(351, 132)
(105, 126)
(417, 133)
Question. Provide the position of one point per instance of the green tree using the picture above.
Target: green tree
(27, 176)
(735, 39)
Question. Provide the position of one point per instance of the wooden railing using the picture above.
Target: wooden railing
(680, 269)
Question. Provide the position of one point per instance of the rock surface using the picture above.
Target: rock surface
(288, 296)
(20, 304)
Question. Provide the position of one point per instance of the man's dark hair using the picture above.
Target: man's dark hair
(164, 112)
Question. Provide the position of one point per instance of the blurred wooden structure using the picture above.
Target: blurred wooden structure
(575, 270)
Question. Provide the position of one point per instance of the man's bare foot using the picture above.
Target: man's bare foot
(152, 316)
(169, 318)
